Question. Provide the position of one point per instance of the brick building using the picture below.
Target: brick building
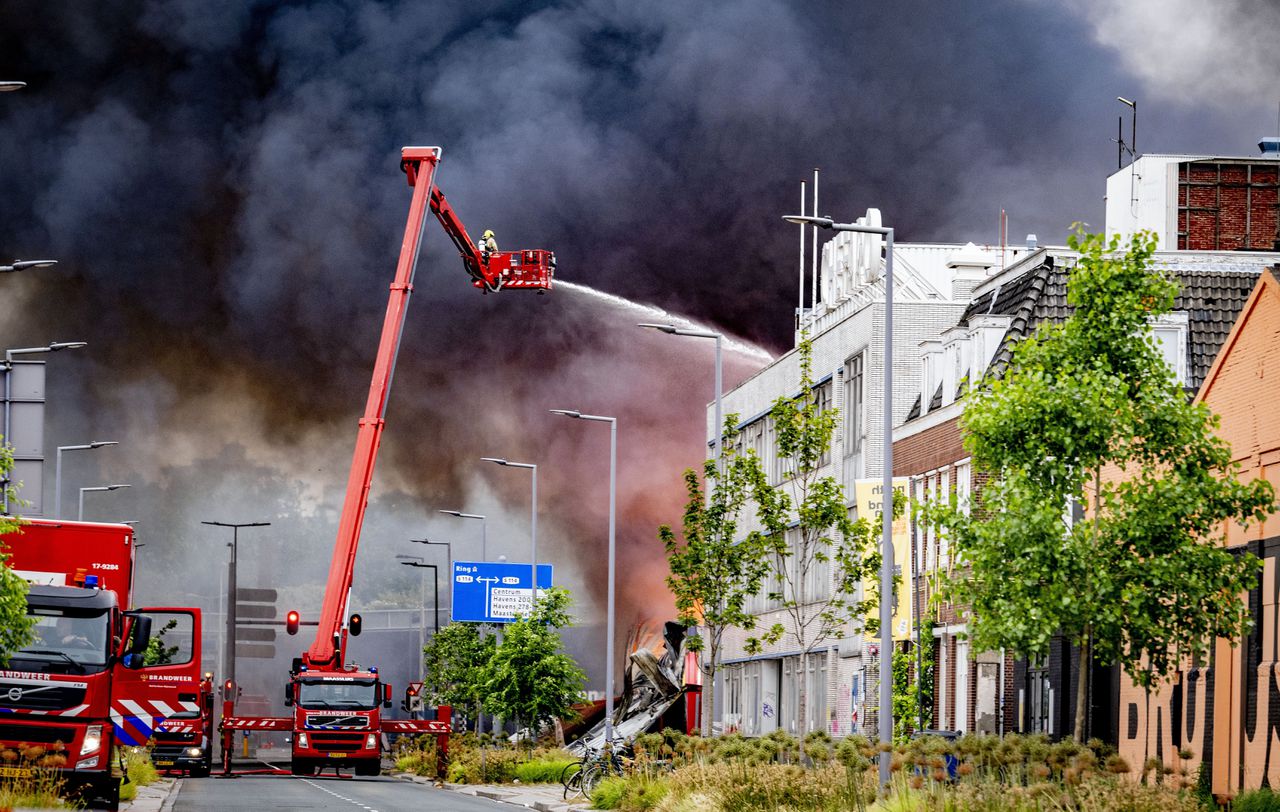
(1227, 711)
(991, 692)
(1200, 203)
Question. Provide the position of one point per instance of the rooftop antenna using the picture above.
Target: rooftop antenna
(800, 311)
(1132, 146)
(1133, 153)
(813, 294)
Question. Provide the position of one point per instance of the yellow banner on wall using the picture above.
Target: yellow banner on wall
(868, 499)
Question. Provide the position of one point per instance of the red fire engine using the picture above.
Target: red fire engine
(83, 684)
(337, 720)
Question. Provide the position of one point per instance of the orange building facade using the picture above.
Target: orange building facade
(1227, 712)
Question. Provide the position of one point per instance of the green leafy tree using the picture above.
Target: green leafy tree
(529, 677)
(1088, 412)
(15, 624)
(819, 555)
(712, 571)
(455, 663)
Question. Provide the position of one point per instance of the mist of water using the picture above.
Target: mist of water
(745, 348)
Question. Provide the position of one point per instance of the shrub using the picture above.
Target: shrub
(635, 793)
(542, 770)
(608, 793)
(39, 789)
(1256, 800)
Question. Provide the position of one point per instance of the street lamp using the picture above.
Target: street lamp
(8, 388)
(533, 521)
(484, 531)
(57, 470)
(886, 539)
(613, 511)
(8, 87)
(80, 514)
(231, 592)
(448, 547)
(671, 329)
(419, 562)
(23, 264)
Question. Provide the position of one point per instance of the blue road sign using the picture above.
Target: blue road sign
(494, 593)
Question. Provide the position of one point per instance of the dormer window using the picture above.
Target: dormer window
(1170, 331)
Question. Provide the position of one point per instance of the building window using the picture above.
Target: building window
(1038, 688)
(822, 395)
(816, 686)
(853, 395)
(944, 492)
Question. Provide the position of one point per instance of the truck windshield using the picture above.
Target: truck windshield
(357, 694)
(64, 640)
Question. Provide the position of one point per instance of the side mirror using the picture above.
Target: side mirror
(288, 694)
(386, 695)
(141, 634)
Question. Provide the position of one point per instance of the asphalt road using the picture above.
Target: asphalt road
(253, 793)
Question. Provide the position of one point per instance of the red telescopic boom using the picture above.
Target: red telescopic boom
(491, 271)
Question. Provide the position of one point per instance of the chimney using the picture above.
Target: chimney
(1270, 147)
(968, 270)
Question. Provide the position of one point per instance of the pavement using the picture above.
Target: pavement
(542, 797)
(157, 797)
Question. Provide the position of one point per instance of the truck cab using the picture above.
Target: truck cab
(184, 741)
(337, 720)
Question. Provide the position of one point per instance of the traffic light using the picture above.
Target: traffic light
(291, 621)
(355, 625)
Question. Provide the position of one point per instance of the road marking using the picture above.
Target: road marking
(338, 796)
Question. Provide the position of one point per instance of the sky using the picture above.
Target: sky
(220, 184)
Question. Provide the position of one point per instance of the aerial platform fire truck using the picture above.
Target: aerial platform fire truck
(337, 706)
(86, 682)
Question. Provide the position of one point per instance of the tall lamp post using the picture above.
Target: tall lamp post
(419, 562)
(94, 489)
(484, 530)
(484, 556)
(886, 538)
(533, 521)
(613, 512)
(449, 561)
(230, 649)
(709, 713)
(8, 378)
(57, 470)
(671, 329)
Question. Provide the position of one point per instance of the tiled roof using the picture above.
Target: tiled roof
(1212, 302)
(1211, 297)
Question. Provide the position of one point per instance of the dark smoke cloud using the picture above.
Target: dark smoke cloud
(221, 185)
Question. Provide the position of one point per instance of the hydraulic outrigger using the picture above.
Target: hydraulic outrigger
(336, 717)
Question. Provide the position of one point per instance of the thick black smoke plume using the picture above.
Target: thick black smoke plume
(220, 183)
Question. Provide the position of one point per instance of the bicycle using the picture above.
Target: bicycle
(583, 776)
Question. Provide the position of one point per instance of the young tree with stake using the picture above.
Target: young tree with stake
(806, 524)
(712, 571)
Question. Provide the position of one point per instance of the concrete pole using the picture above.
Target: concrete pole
(886, 541)
(609, 628)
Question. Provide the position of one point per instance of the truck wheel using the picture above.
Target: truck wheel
(203, 770)
(301, 767)
(371, 767)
